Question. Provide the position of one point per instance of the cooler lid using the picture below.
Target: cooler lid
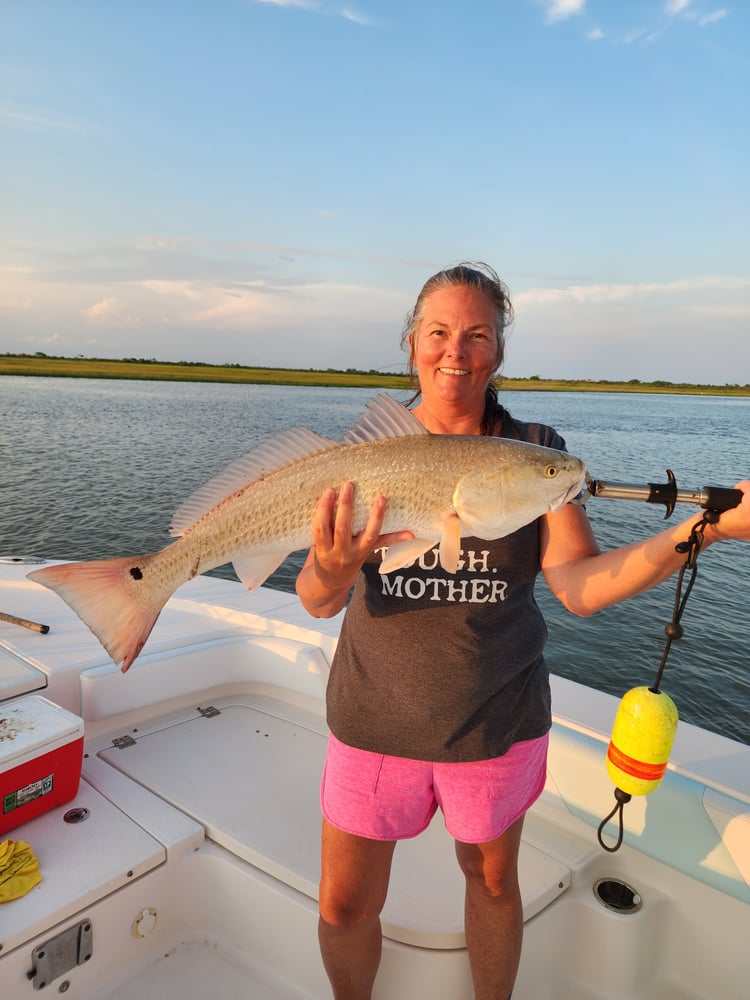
(31, 724)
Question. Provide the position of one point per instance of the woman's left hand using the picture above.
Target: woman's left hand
(734, 523)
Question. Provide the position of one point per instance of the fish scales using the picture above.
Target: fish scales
(418, 475)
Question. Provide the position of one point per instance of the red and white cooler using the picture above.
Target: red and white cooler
(41, 751)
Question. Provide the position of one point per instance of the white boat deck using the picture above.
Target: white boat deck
(269, 753)
(198, 864)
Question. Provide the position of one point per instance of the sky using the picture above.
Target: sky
(270, 182)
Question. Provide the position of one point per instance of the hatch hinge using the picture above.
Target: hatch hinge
(210, 712)
(123, 741)
(61, 953)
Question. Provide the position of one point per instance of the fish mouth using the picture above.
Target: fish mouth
(572, 491)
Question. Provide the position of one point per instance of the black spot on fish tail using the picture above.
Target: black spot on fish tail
(136, 572)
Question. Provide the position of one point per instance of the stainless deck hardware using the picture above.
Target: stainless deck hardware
(60, 954)
(123, 741)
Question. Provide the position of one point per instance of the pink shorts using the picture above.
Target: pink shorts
(391, 798)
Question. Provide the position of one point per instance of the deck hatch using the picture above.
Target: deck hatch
(227, 775)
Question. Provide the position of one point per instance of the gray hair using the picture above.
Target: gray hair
(467, 274)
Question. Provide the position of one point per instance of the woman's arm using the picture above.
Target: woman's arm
(587, 580)
(337, 555)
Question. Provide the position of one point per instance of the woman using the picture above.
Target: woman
(444, 700)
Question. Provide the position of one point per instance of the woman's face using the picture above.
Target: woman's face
(456, 349)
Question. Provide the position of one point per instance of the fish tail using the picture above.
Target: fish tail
(118, 599)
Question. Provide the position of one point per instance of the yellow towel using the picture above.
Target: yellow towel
(19, 870)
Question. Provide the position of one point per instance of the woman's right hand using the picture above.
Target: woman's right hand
(337, 554)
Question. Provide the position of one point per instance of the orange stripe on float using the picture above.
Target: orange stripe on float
(636, 768)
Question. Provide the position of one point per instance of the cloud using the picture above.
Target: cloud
(348, 13)
(712, 17)
(176, 289)
(107, 311)
(647, 34)
(560, 10)
(722, 310)
(356, 18)
(36, 121)
(674, 7)
(583, 295)
(169, 297)
(690, 329)
(308, 4)
(264, 305)
(167, 257)
(632, 36)
(14, 287)
(159, 244)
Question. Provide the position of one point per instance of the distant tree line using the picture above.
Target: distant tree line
(656, 383)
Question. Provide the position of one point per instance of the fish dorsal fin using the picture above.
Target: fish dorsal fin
(278, 451)
(384, 417)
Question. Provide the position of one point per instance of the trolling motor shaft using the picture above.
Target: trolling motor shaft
(718, 498)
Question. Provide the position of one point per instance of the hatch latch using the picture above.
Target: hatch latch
(123, 741)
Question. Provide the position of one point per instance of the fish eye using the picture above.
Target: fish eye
(550, 472)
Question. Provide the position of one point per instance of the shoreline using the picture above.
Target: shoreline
(147, 370)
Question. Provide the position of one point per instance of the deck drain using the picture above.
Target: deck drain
(77, 815)
(617, 895)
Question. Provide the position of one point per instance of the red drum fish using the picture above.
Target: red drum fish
(440, 487)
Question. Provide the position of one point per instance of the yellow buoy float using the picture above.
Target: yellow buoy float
(641, 741)
(639, 749)
(646, 721)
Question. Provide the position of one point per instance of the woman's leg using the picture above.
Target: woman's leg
(353, 886)
(493, 914)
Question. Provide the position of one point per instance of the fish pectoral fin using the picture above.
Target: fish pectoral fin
(491, 530)
(450, 543)
(254, 570)
(402, 553)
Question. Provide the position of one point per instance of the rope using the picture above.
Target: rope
(622, 798)
(691, 549)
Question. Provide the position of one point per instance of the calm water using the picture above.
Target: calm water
(96, 468)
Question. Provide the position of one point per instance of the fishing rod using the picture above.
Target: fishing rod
(716, 498)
